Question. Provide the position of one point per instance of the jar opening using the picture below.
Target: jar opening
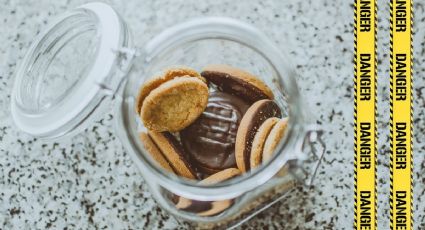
(192, 44)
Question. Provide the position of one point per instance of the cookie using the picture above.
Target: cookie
(259, 140)
(237, 82)
(216, 207)
(250, 123)
(221, 176)
(163, 77)
(178, 90)
(203, 208)
(276, 134)
(210, 140)
(209, 208)
(154, 152)
(174, 153)
(175, 104)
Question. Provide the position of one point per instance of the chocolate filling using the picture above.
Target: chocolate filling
(198, 206)
(235, 86)
(183, 156)
(210, 140)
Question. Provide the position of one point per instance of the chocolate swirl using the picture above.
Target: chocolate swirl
(210, 140)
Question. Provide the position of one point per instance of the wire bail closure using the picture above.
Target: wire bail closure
(312, 149)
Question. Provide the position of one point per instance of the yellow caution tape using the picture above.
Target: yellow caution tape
(401, 114)
(365, 131)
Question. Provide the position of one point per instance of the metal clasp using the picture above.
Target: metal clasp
(312, 149)
(125, 57)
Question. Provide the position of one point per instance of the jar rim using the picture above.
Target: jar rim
(214, 28)
(76, 105)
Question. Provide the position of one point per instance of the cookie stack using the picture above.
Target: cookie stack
(210, 126)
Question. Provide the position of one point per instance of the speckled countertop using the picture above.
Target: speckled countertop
(89, 181)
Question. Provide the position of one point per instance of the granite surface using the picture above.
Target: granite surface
(90, 182)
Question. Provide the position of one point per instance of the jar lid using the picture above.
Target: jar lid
(68, 71)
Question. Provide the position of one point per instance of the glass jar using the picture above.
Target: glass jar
(85, 59)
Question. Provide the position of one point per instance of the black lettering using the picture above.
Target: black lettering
(365, 15)
(401, 145)
(400, 16)
(365, 145)
(401, 212)
(365, 79)
(365, 210)
(400, 78)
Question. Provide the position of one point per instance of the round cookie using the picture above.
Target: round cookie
(210, 140)
(156, 81)
(174, 153)
(155, 153)
(203, 208)
(193, 206)
(276, 134)
(221, 176)
(259, 140)
(237, 82)
(216, 208)
(251, 121)
(175, 104)
(209, 208)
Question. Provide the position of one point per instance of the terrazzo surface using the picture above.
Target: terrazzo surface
(88, 181)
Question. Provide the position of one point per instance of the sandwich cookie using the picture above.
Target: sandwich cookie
(209, 208)
(163, 77)
(221, 176)
(259, 140)
(273, 139)
(172, 101)
(237, 82)
(174, 154)
(203, 208)
(210, 140)
(250, 123)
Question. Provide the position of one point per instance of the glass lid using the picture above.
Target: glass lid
(68, 68)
